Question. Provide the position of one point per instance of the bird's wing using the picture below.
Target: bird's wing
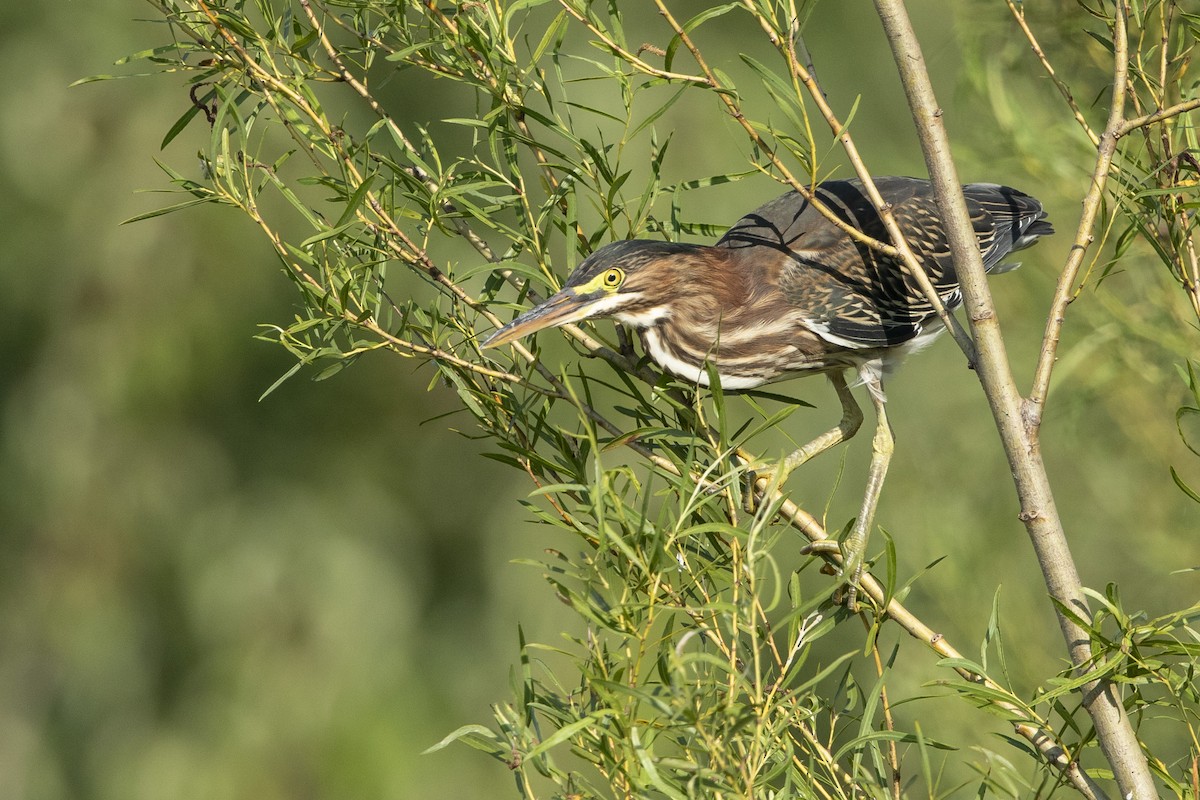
(834, 296)
(1014, 221)
(843, 290)
(855, 297)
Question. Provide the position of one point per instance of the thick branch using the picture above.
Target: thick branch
(1038, 512)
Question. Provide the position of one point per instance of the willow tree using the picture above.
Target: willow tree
(701, 665)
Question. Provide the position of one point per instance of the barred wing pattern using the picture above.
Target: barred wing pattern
(856, 298)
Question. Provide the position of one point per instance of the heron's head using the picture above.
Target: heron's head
(632, 281)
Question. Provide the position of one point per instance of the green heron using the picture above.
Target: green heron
(786, 292)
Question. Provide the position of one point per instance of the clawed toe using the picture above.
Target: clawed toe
(759, 482)
(852, 565)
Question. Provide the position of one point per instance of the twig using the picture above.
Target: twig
(629, 58)
(1158, 116)
(895, 781)
(1064, 291)
(1116, 128)
(1018, 13)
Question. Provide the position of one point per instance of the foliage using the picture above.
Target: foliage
(705, 664)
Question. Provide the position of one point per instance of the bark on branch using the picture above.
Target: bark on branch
(1021, 443)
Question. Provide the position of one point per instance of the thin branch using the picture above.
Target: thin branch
(1018, 12)
(1084, 236)
(1106, 145)
(895, 781)
(1158, 116)
(728, 99)
(443, 356)
(882, 207)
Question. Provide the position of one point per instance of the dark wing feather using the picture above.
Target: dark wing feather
(852, 295)
(1014, 220)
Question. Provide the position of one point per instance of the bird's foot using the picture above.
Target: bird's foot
(761, 481)
(852, 550)
(625, 344)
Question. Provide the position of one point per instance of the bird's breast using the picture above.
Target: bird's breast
(743, 356)
(683, 361)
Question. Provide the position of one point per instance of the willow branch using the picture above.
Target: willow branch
(460, 225)
(1025, 723)
(1106, 146)
(710, 81)
(1064, 291)
(397, 239)
(1117, 739)
(502, 89)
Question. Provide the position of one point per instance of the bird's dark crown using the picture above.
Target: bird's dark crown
(630, 255)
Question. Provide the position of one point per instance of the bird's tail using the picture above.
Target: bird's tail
(1032, 232)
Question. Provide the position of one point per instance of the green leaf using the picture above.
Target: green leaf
(1104, 41)
(355, 201)
(107, 77)
(567, 731)
(328, 233)
(554, 32)
(404, 53)
(158, 212)
(1064, 686)
(281, 379)
(180, 124)
(476, 736)
(643, 756)
(886, 736)
(691, 25)
(1189, 491)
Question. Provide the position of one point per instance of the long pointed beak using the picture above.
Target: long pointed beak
(559, 309)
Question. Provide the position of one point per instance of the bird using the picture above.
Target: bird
(787, 292)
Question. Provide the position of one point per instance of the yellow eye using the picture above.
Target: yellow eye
(612, 279)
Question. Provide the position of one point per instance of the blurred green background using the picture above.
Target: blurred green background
(207, 596)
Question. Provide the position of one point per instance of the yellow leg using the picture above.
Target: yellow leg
(853, 548)
(852, 418)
